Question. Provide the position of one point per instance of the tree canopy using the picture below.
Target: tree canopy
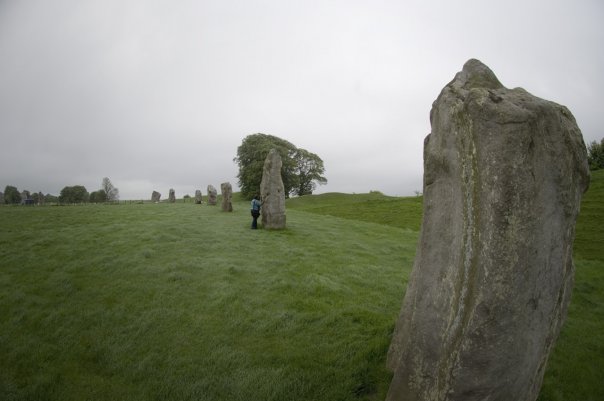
(595, 155)
(12, 195)
(74, 194)
(300, 172)
(98, 196)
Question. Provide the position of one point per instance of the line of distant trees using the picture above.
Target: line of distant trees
(69, 195)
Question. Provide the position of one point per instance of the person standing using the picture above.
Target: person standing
(256, 204)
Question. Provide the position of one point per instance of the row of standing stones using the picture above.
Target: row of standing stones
(212, 195)
(271, 189)
(504, 174)
(272, 193)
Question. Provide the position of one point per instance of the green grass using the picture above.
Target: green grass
(184, 302)
(372, 207)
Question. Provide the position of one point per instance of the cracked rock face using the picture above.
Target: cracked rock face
(504, 173)
(227, 195)
(272, 192)
(212, 195)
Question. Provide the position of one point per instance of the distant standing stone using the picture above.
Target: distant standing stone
(227, 194)
(272, 192)
(198, 197)
(155, 196)
(504, 173)
(171, 196)
(212, 195)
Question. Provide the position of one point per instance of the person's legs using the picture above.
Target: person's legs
(254, 221)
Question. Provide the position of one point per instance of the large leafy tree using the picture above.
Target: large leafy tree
(74, 194)
(98, 196)
(309, 170)
(299, 172)
(12, 195)
(595, 155)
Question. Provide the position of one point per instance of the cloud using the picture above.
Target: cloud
(159, 94)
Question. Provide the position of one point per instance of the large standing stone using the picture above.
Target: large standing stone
(198, 197)
(212, 195)
(504, 173)
(171, 196)
(227, 194)
(272, 192)
(155, 196)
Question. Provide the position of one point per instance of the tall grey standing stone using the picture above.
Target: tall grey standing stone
(272, 192)
(227, 193)
(212, 195)
(171, 196)
(155, 196)
(198, 197)
(504, 173)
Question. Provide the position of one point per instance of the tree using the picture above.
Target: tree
(595, 155)
(111, 193)
(74, 194)
(48, 198)
(12, 195)
(309, 168)
(36, 198)
(297, 169)
(98, 196)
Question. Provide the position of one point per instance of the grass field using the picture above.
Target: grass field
(184, 302)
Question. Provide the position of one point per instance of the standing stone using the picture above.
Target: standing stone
(155, 196)
(41, 200)
(212, 195)
(1, 198)
(272, 192)
(504, 173)
(198, 197)
(227, 194)
(171, 196)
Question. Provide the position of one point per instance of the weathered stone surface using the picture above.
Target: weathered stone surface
(198, 197)
(171, 196)
(227, 194)
(504, 173)
(272, 192)
(155, 196)
(212, 195)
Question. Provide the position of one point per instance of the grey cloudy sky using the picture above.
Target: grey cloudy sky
(159, 94)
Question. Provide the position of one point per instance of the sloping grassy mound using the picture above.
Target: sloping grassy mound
(372, 207)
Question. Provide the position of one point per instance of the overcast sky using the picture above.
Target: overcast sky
(159, 94)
